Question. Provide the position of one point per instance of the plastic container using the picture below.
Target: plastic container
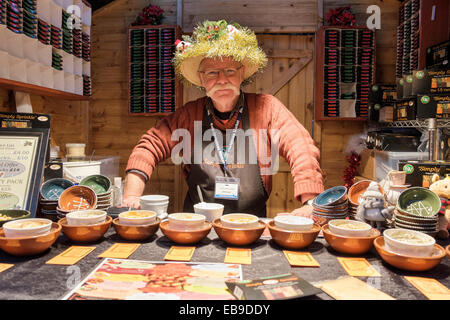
(386, 161)
(75, 149)
(77, 171)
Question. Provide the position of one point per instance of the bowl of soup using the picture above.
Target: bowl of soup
(408, 242)
(27, 228)
(186, 221)
(349, 228)
(211, 211)
(293, 223)
(137, 217)
(85, 217)
(239, 221)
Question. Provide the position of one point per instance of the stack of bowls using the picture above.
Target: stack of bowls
(76, 198)
(157, 203)
(354, 194)
(330, 204)
(417, 209)
(102, 187)
(49, 195)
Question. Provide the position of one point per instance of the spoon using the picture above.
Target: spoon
(200, 193)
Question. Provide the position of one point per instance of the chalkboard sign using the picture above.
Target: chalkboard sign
(24, 140)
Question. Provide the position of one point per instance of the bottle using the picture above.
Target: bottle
(117, 191)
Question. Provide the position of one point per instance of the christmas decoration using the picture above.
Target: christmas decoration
(150, 15)
(350, 172)
(342, 16)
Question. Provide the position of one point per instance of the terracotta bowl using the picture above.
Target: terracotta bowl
(357, 189)
(350, 245)
(447, 249)
(322, 220)
(88, 233)
(137, 232)
(185, 237)
(408, 262)
(14, 214)
(238, 237)
(77, 198)
(293, 239)
(29, 246)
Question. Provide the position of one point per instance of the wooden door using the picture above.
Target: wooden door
(289, 76)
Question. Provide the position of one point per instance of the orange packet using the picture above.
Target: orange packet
(238, 255)
(71, 256)
(180, 253)
(120, 250)
(300, 259)
(358, 267)
(430, 288)
(5, 266)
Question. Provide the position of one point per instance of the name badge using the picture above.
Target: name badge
(227, 188)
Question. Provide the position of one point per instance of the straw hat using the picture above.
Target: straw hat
(215, 39)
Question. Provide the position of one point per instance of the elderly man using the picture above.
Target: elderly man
(220, 58)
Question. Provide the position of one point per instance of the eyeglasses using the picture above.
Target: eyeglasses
(214, 74)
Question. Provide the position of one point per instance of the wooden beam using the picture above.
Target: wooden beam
(288, 75)
(180, 13)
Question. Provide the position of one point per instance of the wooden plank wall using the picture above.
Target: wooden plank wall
(69, 119)
(115, 133)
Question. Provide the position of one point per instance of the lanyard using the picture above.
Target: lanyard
(223, 157)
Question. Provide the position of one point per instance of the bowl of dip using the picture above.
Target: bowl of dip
(27, 228)
(349, 228)
(408, 242)
(239, 221)
(137, 217)
(85, 217)
(293, 223)
(186, 221)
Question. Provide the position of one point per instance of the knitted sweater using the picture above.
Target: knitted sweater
(265, 112)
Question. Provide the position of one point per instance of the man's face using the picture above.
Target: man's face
(221, 78)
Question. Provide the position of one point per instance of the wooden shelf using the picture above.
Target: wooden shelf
(43, 91)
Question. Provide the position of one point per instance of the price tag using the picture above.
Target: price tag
(71, 256)
(180, 253)
(358, 267)
(5, 266)
(120, 250)
(430, 288)
(300, 259)
(238, 255)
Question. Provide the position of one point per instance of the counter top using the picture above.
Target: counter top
(31, 278)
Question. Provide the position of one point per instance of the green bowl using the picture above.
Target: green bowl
(419, 202)
(14, 214)
(99, 183)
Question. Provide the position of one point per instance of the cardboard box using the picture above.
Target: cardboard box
(366, 167)
(431, 81)
(382, 93)
(438, 55)
(433, 106)
(421, 173)
(406, 109)
(387, 113)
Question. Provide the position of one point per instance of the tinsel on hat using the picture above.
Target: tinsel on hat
(350, 172)
(213, 39)
(342, 16)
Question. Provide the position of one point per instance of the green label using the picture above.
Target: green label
(420, 74)
(409, 79)
(375, 88)
(401, 82)
(377, 107)
(425, 99)
(408, 168)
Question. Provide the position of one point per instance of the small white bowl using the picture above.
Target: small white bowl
(85, 217)
(394, 243)
(154, 198)
(27, 228)
(293, 223)
(211, 211)
(137, 217)
(337, 226)
(186, 221)
(239, 221)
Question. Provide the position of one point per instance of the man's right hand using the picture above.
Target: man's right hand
(131, 202)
